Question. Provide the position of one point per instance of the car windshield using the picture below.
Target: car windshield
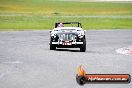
(68, 29)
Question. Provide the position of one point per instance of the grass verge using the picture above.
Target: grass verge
(42, 14)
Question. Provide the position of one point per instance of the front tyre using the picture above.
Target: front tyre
(52, 47)
(83, 47)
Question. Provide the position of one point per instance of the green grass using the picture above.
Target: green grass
(42, 22)
(45, 7)
(42, 14)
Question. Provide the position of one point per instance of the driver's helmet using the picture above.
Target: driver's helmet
(60, 25)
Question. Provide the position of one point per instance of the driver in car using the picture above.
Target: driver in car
(60, 25)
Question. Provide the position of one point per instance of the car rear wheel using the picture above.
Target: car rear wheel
(83, 47)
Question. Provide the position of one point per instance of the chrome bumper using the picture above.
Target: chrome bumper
(72, 43)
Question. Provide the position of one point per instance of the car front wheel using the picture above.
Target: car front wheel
(83, 47)
(52, 47)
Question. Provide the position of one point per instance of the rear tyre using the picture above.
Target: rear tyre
(83, 47)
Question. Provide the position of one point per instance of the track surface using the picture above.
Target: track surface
(27, 62)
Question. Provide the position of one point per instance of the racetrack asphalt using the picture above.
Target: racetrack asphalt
(27, 62)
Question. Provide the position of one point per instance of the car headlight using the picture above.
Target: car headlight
(52, 34)
(55, 35)
(80, 36)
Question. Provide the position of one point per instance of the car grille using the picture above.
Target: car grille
(67, 36)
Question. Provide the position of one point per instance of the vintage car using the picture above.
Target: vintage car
(68, 36)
